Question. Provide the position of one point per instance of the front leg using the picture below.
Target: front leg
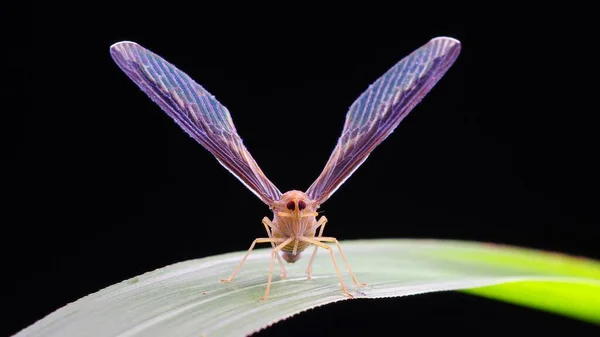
(318, 243)
(274, 252)
(268, 225)
(321, 223)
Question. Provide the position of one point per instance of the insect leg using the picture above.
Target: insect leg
(268, 224)
(316, 242)
(274, 252)
(330, 239)
(260, 240)
(321, 223)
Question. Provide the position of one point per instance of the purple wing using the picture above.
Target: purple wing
(379, 110)
(196, 111)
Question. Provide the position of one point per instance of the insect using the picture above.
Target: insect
(370, 120)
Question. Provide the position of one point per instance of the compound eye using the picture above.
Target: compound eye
(301, 205)
(290, 205)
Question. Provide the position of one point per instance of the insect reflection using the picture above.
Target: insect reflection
(370, 119)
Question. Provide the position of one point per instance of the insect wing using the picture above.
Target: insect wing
(379, 110)
(196, 111)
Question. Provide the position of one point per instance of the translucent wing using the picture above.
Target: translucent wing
(379, 110)
(196, 111)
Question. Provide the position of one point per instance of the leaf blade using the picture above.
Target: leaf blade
(186, 299)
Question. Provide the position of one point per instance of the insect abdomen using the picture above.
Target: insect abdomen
(290, 247)
(287, 251)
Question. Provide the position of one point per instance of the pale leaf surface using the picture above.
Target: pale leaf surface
(187, 299)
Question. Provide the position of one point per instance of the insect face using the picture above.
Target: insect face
(295, 204)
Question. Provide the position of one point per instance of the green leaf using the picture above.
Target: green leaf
(187, 299)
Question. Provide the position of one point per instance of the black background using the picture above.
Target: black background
(103, 186)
